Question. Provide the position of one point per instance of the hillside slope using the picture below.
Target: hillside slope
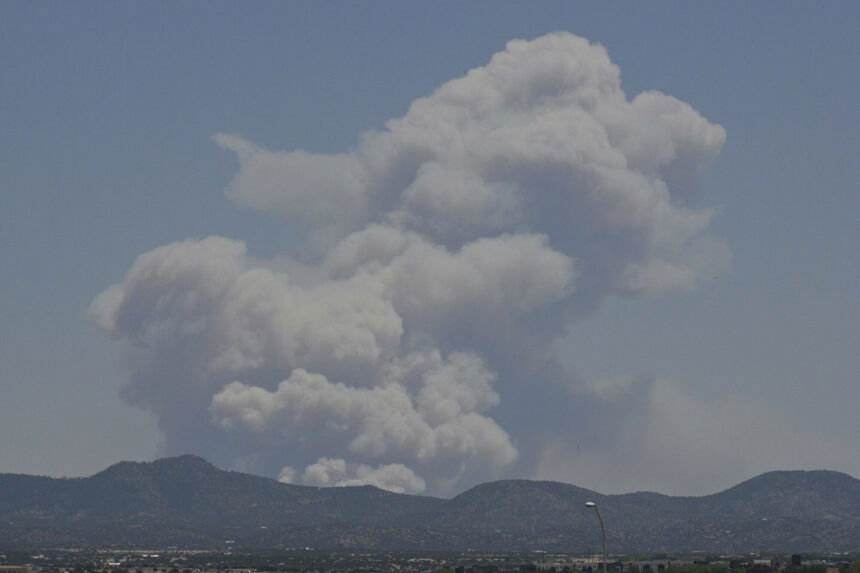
(187, 501)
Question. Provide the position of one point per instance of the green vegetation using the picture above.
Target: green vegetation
(697, 568)
(813, 568)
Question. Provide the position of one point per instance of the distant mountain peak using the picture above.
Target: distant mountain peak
(781, 479)
(185, 460)
(182, 461)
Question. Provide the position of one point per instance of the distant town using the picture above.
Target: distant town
(308, 560)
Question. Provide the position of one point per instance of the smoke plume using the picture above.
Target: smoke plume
(408, 335)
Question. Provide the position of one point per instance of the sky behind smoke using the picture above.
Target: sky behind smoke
(619, 256)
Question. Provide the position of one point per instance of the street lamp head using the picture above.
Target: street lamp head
(590, 504)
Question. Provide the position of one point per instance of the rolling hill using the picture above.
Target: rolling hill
(186, 501)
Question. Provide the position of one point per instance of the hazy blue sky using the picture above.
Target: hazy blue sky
(107, 113)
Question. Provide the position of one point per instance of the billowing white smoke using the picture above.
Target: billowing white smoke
(328, 472)
(442, 257)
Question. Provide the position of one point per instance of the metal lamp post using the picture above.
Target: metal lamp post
(602, 529)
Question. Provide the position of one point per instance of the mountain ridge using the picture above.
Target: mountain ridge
(185, 500)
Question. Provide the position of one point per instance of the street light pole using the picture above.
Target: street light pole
(602, 529)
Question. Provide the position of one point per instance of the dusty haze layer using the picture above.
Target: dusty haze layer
(406, 342)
